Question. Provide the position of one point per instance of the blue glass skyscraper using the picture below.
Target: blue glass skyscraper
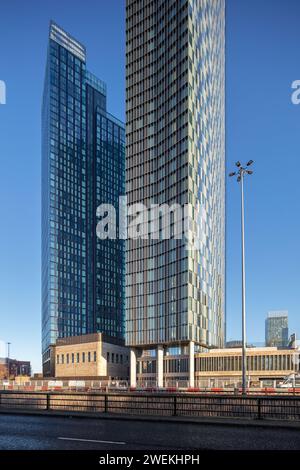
(83, 166)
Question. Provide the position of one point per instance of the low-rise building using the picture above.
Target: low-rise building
(219, 365)
(262, 363)
(91, 356)
(3, 370)
(11, 368)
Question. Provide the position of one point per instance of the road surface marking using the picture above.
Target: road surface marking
(91, 440)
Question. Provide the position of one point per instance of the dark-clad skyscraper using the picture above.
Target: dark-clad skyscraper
(175, 154)
(83, 165)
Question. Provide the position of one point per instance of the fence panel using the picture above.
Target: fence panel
(280, 408)
(141, 404)
(31, 401)
(77, 402)
(153, 404)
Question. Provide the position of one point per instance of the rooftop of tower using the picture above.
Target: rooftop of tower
(62, 37)
(59, 35)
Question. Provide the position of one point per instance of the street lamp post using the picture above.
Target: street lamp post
(241, 173)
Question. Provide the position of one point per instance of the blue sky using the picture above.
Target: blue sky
(262, 124)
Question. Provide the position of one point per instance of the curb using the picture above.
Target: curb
(166, 419)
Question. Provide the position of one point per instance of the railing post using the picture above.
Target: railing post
(175, 406)
(105, 403)
(48, 401)
(259, 408)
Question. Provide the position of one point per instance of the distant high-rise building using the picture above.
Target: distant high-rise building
(175, 154)
(277, 329)
(83, 165)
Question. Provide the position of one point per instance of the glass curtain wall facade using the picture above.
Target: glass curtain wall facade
(277, 329)
(83, 165)
(175, 153)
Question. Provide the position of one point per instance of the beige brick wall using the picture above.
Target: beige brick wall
(115, 369)
(76, 369)
(99, 368)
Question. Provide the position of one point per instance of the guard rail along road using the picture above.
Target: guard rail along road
(155, 404)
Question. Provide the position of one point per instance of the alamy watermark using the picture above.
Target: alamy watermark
(2, 92)
(296, 94)
(154, 222)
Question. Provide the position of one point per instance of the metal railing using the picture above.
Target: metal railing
(185, 405)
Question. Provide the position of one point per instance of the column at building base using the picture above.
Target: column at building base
(133, 368)
(160, 366)
(191, 364)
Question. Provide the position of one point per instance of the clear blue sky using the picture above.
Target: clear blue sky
(262, 124)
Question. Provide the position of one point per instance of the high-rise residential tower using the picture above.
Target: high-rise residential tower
(277, 329)
(83, 165)
(175, 154)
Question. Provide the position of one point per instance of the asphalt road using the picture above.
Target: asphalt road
(19, 432)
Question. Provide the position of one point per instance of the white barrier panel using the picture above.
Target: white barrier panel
(76, 383)
(55, 383)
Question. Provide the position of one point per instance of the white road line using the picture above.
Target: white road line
(91, 440)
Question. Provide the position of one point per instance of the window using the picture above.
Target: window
(112, 357)
(57, 359)
(117, 358)
(89, 356)
(62, 359)
(121, 358)
(67, 358)
(72, 358)
(77, 357)
(95, 356)
(108, 357)
(83, 357)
